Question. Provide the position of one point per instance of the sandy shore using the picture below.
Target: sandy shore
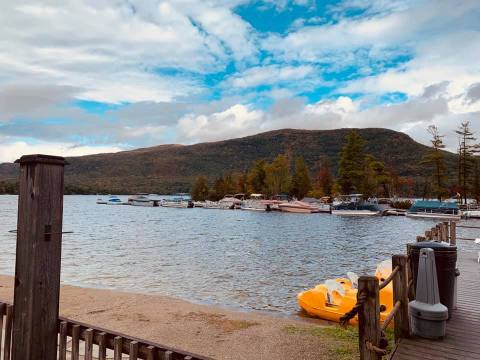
(206, 330)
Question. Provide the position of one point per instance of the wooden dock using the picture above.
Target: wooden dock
(462, 340)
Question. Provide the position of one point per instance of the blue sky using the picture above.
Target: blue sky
(88, 77)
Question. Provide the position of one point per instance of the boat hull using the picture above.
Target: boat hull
(434, 216)
(355, 213)
(298, 210)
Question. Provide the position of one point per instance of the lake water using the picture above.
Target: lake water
(240, 259)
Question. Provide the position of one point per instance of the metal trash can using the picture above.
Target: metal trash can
(445, 260)
(427, 315)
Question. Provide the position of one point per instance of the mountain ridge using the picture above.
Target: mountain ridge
(173, 167)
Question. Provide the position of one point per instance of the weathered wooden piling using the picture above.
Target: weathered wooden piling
(37, 268)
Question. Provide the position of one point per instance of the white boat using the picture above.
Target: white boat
(433, 209)
(230, 202)
(298, 207)
(113, 200)
(199, 204)
(177, 202)
(101, 201)
(211, 205)
(354, 205)
(142, 200)
(471, 214)
(257, 202)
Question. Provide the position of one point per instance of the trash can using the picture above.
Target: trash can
(445, 260)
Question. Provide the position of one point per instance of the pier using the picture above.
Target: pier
(461, 340)
(463, 328)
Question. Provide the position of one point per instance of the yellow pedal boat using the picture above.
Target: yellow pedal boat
(331, 300)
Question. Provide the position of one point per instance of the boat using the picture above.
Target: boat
(355, 205)
(298, 207)
(332, 299)
(177, 202)
(230, 202)
(199, 204)
(394, 212)
(322, 204)
(101, 201)
(257, 202)
(434, 209)
(114, 200)
(142, 200)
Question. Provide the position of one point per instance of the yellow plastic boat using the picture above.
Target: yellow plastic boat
(331, 300)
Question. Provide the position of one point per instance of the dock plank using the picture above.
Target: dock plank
(462, 340)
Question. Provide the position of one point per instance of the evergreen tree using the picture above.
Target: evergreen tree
(301, 183)
(256, 177)
(466, 151)
(200, 189)
(376, 178)
(352, 163)
(435, 159)
(219, 188)
(277, 176)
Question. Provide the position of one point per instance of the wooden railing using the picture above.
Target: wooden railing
(93, 342)
(371, 332)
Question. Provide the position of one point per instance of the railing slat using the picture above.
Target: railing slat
(3, 308)
(75, 342)
(7, 345)
(400, 294)
(62, 346)
(117, 348)
(151, 353)
(89, 344)
(133, 350)
(102, 346)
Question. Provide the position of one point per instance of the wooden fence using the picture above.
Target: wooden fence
(373, 343)
(32, 329)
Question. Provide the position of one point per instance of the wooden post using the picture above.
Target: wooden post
(428, 235)
(400, 293)
(434, 233)
(369, 317)
(37, 267)
(453, 233)
(446, 231)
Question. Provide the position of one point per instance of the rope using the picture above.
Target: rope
(361, 299)
(389, 278)
(379, 351)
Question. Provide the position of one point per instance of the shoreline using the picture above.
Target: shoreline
(208, 330)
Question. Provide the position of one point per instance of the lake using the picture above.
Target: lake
(239, 259)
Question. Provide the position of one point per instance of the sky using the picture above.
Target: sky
(89, 76)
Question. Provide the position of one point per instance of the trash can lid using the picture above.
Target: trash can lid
(435, 245)
(435, 312)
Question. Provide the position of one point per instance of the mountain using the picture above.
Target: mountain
(172, 168)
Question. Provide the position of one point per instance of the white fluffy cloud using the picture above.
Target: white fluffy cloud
(10, 151)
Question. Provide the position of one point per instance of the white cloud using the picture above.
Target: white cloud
(10, 151)
(236, 121)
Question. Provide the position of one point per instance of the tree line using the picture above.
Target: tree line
(358, 172)
(467, 182)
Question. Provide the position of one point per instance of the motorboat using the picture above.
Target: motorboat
(332, 299)
(230, 202)
(114, 200)
(257, 202)
(298, 207)
(322, 204)
(177, 202)
(434, 209)
(101, 201)
(142, 200)
(355, 205)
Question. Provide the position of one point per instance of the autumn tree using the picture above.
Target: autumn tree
(277, 176)
(324, 179)
(200, 189)
(301, 183)
(256, 177)
(352, 163)
(434, 158)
